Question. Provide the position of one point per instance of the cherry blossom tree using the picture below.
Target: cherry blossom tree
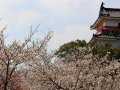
(15, 56)
(87, 72)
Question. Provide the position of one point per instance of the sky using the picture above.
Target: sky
(68, 19)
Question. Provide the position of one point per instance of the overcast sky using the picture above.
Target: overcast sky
(68, 19)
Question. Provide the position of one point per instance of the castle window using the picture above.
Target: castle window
(119, 33)
(115, 32)
(106, 32)
(118, 24)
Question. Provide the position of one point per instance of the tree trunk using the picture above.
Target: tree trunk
(5, 86)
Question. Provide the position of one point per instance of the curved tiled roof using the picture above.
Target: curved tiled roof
(109, 12)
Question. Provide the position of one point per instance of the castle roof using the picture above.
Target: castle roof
(109, 12)
(106, 14)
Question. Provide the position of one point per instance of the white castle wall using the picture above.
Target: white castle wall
(114, 43)
(111, 23)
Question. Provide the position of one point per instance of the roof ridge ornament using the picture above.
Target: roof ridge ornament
(102, 6)
(102, 9)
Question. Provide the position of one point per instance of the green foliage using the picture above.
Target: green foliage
(92, 44)
(100, 50)
(103, 50)
(115, 53)
(70, 47)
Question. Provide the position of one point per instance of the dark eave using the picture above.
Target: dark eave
(92, 26)
(105, 37)
(98, 21)
(112, 9)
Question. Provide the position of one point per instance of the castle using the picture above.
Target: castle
(107, 27)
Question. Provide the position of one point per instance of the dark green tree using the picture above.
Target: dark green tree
(70, 48)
